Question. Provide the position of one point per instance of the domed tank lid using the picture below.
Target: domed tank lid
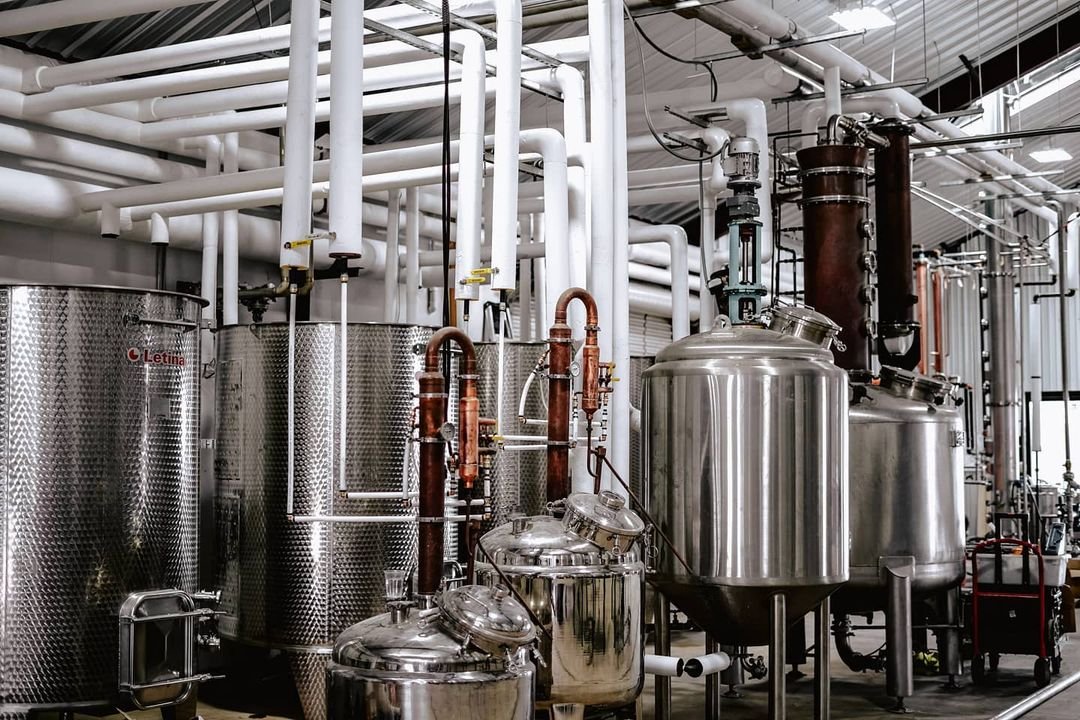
(802, 322)
(472, 630)
(908, 384)
(726, 341)
(489, 618)
(602, 519)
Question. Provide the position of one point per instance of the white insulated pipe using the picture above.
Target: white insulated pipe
(707, 240)
(707, 664)
(471, 163)
(664, 665)
(601, 169)
(676, 239)
(252, 42)
(159, 230)
(393, 240)
(66, 13)
(230, 240)
(299, 132)
(619, 423)
(412, 255)
(833, 105)
(210, 236)
(552, 147)
(507, 139)
(346, 137)
(571, 83)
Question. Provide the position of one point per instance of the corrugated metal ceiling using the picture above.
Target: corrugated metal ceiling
(929, 37)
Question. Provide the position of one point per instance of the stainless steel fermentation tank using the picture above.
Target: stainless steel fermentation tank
(583, 577)
(518, 480)
(296, 586)
(99, 415)
(907, 455)
(745, 432)
(467, 656)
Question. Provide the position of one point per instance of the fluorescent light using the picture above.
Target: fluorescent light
(862, 18)
(1037, 94)
(1050, 155)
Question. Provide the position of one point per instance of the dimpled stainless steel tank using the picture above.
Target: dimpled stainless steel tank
(519, 485)
(745, 432)
(907, 456)
(583, 577)
(296, 586)
(99, 415)
(465, 658)
(638, 365)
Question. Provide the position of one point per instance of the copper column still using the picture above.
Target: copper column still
(433, 448)
(899, 338)
(836, 238)
(560, 354)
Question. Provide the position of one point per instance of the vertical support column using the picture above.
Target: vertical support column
(899, 672)
(662, 623)
(712, 684)
(949, 639)
(777, 643)
(822, 654)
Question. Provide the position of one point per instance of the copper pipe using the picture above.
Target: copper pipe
(922, 269)
(560, 355)
(433, 448)
(939, 327)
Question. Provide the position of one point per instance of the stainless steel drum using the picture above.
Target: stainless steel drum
(907, 482)
(466, 658)
(746, 447)
(583, 577)
(296, 586)
(99, 415)
(518, 483)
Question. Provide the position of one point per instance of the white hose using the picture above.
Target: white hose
(664, 665)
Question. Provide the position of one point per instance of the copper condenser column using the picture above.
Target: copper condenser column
(836, 236)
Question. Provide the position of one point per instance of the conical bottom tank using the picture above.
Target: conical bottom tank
(745, 436)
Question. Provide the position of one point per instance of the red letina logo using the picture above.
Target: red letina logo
(152, 357)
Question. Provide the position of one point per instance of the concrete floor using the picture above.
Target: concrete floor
(854, 696)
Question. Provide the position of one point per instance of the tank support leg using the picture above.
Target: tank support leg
(899, 670)
(712, 684)
(662, 620)
(733, 676)
(949, 640)
(796, 648)
(822, 655)
(777, 643)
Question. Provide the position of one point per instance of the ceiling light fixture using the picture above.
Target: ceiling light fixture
(860, 19)
(1050, 155)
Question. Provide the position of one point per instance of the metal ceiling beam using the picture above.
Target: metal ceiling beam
(994, 137)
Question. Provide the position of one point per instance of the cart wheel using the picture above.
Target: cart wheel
(978, 669)
(994, 659)
(1042, 672)
(1055, 665)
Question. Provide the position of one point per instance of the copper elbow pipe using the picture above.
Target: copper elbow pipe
(433, 448)
(560, 355)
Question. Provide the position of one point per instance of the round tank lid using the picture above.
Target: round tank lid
(603, 519)
(489, 618)
(906, 383)
(738, 341)
(803, 322)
